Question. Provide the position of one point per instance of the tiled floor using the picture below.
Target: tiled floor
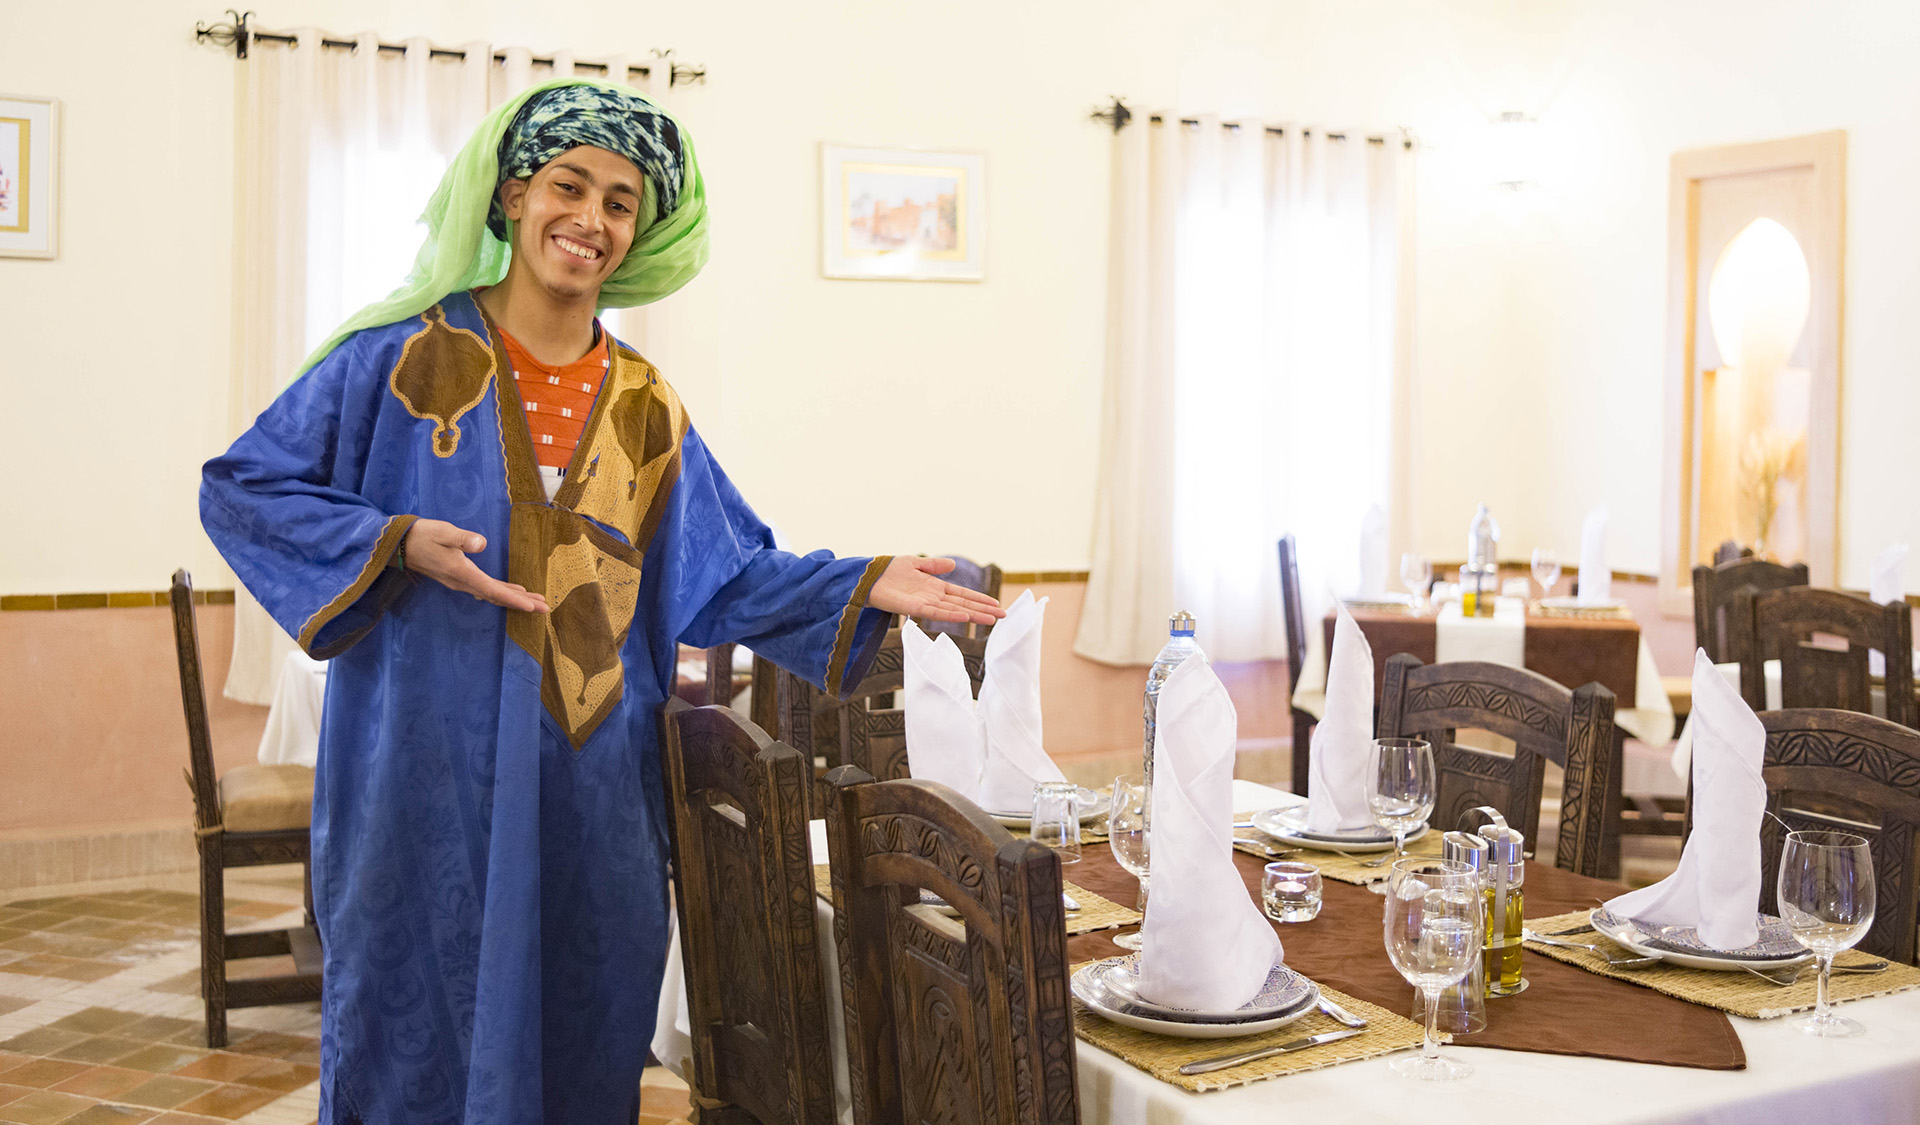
(101, 1018)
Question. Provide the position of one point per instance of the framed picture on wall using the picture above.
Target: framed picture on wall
(902, 214)
(29, 170)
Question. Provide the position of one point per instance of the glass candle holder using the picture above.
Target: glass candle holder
(1291, 892)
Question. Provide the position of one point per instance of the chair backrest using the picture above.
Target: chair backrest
(1729, 551)
(1849, 772)
(1821, 639)
(963, 1021)
(868, 728)
(983, 578)
(1292, 610)
(1713, 590)
(744, 893)
(720, 674)
(193, 700)
(1546, 722)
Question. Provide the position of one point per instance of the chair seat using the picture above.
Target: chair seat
(1679, 691)
(266, 798)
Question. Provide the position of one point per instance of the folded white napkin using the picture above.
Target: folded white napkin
(1596, 581)
(1886, 587)
(989, 750)
(1337, 769)
(1716, 888)
(1373, 552)
(1204, 944)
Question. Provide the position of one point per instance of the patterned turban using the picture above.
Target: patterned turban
(566, 117)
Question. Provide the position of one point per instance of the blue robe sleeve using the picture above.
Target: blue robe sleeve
(806, 613)
(284, 506)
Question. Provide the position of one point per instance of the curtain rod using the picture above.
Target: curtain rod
(239, 34)
(1119, 114)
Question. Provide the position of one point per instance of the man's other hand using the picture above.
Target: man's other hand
(913, 586)
(439, 550)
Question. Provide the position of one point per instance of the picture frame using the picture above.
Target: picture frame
(894, 214)
(29, 176)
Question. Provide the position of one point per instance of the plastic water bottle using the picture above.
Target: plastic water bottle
(1179, 646)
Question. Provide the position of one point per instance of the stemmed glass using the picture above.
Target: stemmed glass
(1826, 898)
(1400, 786)
(1435, 924)
(1416, 573)
(1127, 832)
(1546, 569)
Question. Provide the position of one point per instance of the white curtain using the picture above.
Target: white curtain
(1255, 377)
(336, 154)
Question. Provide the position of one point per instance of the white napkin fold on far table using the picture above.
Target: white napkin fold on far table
(1716, 888)
(1205, 945)
(1373, 553)
(1596, 581)
(990, 750)
(1337, 766)
(1887, 586)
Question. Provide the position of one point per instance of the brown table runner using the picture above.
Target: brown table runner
(1565, 1010)
(1570, 651)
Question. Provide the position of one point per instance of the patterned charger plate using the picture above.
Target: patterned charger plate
(1682, 945)
(1088, 989)
(1288, 824)
(1284, 991)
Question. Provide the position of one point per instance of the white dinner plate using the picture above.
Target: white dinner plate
(1284, 991)
(1093, 806)
(1378, 601)
(1288, 824)
(1572, 601)
(1681, 946)
(1103, 1002)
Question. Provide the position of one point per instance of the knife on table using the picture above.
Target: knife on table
(1222, 1062)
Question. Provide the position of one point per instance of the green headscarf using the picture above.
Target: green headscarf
(462, 253)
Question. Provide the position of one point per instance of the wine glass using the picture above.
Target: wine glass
(1416, 573)
(1400, 786)
(1127, 832)
(1826, 899)
(1435, 924)
(1546, 569)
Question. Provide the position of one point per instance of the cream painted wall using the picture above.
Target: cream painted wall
(1539, 338)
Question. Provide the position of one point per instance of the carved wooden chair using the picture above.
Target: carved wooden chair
(249, 816)
(1295, 613)
(1848, 772)
(743, 887)
(1713, 590)
(964, 1021)
(1821, 638)
(1546, 722)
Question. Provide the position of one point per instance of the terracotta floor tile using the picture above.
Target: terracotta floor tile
(40, 903)
(102, 1081)
(85, 926)
(253, 968)
(8, 933)
(84, 971)
(281, 1075)
(136, 931)
(42, 1041)
(39, 964)
(13, 1093)
(221, 1066)
(10, 1059)
(13, 1004)
(193, 1035)
(309, 1056)
(99, 1050)
(225, 1101)
(185, 1119)
(66, 945)
(122, 911)
(162, 1058)
(187, 916)
(110, 1115)
(271, 1044)
(165, 1092)
(43, 1107)
(186, 984)
(152, 1029)
(38, 920)
(41, 1073)
(96, 1021)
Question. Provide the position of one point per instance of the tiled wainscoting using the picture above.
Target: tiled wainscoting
(29, 860)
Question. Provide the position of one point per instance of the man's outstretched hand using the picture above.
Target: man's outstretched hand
(439, 550)
(913, 586)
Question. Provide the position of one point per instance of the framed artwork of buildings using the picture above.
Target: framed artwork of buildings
(902, 214)
(29, 170)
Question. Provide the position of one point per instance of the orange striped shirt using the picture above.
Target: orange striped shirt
(557, 399)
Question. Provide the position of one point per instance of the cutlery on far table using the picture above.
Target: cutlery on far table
(1631, 961)
(1222, 1062)
(1788, 974)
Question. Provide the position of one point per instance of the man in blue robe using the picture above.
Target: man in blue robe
(489, 829)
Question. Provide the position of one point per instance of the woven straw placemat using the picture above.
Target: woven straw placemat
(1334, 865)
(1738, 993)
(1095, 913)
(1162, 1056)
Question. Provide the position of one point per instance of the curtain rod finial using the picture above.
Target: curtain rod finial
(233, 34)
(1117, 115)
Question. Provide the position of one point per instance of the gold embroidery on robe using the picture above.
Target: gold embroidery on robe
(442, 373)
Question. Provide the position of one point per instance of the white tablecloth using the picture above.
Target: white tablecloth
(293, 719)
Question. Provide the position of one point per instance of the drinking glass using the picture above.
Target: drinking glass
(1546, 569)
(1826, 898)
(1127, 832)
(1400, 786)
(1056, 818)
(1416, 573)
(1435, 922)
(1291, 892)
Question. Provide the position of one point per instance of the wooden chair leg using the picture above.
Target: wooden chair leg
(1302, 751)
(306, 882)
(213, 940)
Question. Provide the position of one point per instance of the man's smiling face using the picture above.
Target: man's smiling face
(576, 219)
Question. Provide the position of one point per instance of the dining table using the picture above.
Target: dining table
(1575, 1046)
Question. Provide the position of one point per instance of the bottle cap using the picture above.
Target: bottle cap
(1467, 848)
(1181, 623)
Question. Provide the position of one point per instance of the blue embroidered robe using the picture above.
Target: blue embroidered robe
(489, 824)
